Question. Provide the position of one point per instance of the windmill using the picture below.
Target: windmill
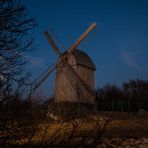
(74, 78)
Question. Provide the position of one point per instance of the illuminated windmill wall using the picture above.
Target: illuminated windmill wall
(85, 68)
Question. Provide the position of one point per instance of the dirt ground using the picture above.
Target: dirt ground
(127, 125)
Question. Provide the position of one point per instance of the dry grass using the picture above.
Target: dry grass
(54, 133)
(62, 132)
(123, 125)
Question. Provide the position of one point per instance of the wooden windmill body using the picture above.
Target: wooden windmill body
(85, 68)
(74, 73)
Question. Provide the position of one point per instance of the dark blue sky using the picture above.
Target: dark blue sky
(120, 47)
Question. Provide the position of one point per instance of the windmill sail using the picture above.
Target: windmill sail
(83, 89)
(78, 41)
(42, 77)
(52, 43)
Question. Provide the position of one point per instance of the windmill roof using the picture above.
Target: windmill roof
(83, 59)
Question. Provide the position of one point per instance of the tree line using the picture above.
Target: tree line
(131, 97)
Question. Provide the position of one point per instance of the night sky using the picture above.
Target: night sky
(118, 47)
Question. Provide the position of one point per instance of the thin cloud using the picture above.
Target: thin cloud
(36, 61)
(128, 58)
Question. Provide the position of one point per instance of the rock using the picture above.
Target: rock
(116, 141)
(141, 112)
(145, 141)
(137, 142)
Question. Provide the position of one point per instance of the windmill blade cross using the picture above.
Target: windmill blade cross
(77, 82)
(73, 46)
